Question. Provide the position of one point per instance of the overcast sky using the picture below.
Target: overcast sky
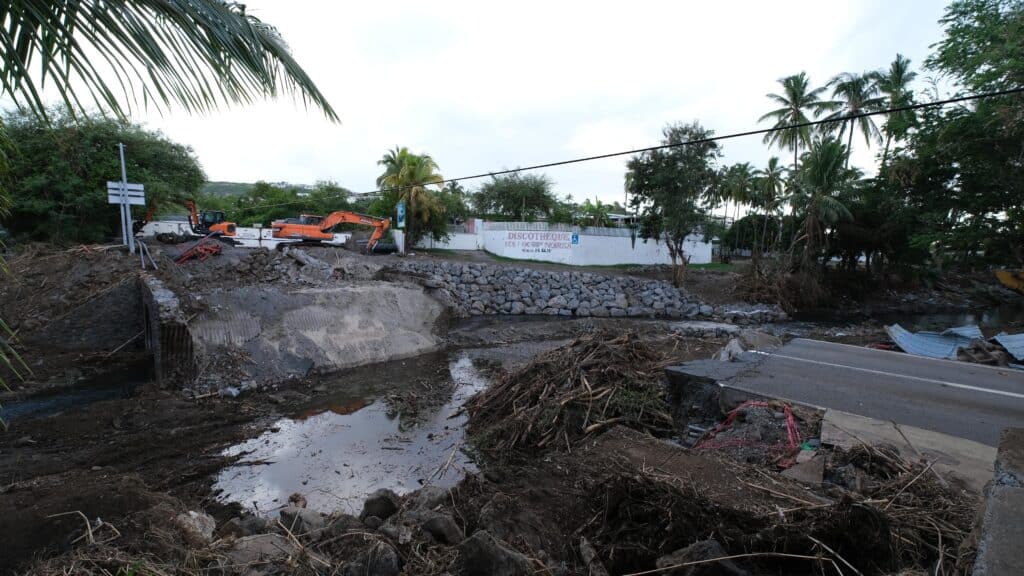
(483, 86)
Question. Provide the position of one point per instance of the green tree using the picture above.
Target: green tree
(961, 168)
(57, 177)
(668, 187)
(796, 102)
(516, 196)
(410, 178)
(894, 84)
(821, 181)
(737, 186)
(595, 213)
(982, 48)
(856, 94)
(455, 199)
(769, 193)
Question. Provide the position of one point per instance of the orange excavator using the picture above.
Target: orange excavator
(201, 223)
(311, 228)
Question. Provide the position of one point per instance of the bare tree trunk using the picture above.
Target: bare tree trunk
(849, 146)
(885, 152)
(679, 261)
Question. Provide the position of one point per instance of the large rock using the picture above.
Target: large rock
(702, 550)
(429, 497)
(238, 527)
(381, 559)
(483, 555)
(444, 529)
(302, 521)
(382, 504)
(260, 548)
(197, 527)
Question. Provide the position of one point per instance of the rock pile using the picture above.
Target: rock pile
(477, 289)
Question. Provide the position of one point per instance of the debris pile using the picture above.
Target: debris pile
(766, 433)
(596, 381)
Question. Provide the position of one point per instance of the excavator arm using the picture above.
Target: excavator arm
(322, 230)
(380, 225)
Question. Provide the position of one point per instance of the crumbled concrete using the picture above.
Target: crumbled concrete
(810, 472)
(703, 328)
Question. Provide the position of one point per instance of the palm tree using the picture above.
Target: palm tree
(856, 93)
(199, 54)
(822, 178)
(770, 183)
(796, 101)
(894, 84)
(409, 175)
(738, 186)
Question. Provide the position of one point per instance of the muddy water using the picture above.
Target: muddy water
(349, 446)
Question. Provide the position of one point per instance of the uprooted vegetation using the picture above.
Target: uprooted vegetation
(594, 382)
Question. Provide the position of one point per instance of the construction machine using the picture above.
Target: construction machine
(201, 223)
(312, 228)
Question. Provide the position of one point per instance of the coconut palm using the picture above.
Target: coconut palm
(797, 101)
(738, 187)
(821, 179)
(856, 94)
(116, 55)
(409, 177)
(894, 84)
(769, 185)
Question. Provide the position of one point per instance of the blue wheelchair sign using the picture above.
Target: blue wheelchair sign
(575, 239)
(400, 214)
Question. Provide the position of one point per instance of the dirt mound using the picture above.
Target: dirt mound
(596, 381)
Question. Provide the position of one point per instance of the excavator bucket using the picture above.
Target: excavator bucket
(1012, 279)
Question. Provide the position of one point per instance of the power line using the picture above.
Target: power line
(734, 135)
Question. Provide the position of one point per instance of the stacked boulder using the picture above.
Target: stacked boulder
(477, 289)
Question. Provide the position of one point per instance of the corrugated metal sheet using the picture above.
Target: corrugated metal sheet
(1014, 344)
(934, 344)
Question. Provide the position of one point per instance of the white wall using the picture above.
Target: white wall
(582, 249)
(457, 241)
(568, 244)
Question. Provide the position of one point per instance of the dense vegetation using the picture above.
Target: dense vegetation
(59, 169)
(949, 187)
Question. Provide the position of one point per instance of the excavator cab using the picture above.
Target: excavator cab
(207, 218)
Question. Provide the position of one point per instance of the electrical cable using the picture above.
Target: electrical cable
(733, 135)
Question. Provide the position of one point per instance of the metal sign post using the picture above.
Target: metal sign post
(126, 195)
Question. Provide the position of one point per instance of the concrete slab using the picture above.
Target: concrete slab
(999, 549)
(957, 398)
(970, 462)
(810, 472)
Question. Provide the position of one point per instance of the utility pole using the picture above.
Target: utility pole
(126, 209)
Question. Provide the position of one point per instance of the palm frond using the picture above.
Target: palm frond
(198, 54)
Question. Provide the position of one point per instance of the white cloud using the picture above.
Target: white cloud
(485, 86)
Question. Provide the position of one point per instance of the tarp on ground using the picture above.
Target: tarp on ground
(1014, 344)
(934, 344)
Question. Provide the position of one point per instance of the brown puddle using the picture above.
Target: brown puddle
(339, 453)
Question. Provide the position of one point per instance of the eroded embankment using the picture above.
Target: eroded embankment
(265, 334)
